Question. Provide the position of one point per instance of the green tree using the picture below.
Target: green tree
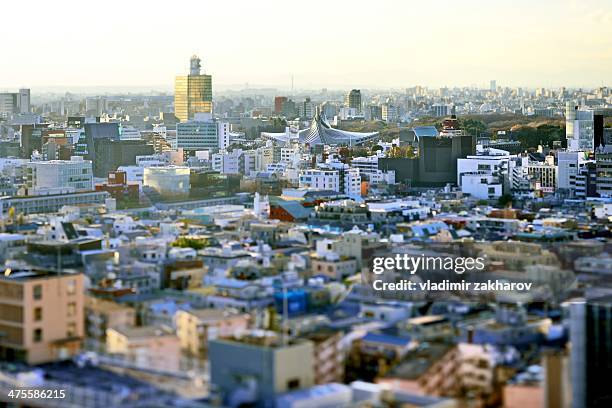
(188, 242)
(472, 126)
(505, 200)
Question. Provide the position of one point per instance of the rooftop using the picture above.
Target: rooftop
(23, 275)
(417, 362)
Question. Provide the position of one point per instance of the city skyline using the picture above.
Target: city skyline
(453, 44)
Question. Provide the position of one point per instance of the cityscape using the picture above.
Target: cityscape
(295, 246)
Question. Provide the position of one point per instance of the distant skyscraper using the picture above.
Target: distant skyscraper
(7, 103)
(278, 103)
(441, 109)
(192, 93)
(12, 103)
(353, 99)
(579, 130)
(23, 101)
(390, 113)
(306, 109)
(493, 85)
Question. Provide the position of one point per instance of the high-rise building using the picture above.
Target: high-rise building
(23, 101)
(109, 154)
(493, 86)
(95, 106)
(353, 99)
(288, 108)
(202, 133)
(390, 113)
(31, 139)
(579, 128)
(603, 163)
(192, 93)
(591, 352)
(441, 109)
(306, 109)
(278, 103)
(569, 164)
(7, 103)
(11, 102)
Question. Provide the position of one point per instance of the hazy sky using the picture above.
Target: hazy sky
(334, 44)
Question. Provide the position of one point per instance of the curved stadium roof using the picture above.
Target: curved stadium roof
(321, 132)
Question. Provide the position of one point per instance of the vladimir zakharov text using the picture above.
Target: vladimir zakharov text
(447, 285)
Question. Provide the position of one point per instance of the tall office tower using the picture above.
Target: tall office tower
(493, 86)
(390, 113)
(193, 92)
(591, 352)
(95, 106)
(579, 128)
(23, 101)
(353, 99)
(598, 131)
(7, 103)
(278, 103)
(306, 109)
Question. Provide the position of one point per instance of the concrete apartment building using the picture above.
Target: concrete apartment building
(196, 327)
(41, 315)
(334, 266)
(75, 175)
(155, 347)
(328, 356)
(102, 314)
(254, 368)
(444, 370)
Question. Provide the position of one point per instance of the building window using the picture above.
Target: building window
(38, 314)
(37, 292)
(293, 384)
(38, 335)
(71, 287)
(71, 329)
(71, 309)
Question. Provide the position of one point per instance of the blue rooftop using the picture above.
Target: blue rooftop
(387, 339)
(425, 131)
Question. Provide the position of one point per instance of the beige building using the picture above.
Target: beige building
(41, 315)
(442, 370)
(334, 267)
(516, 255)
(154, 347)
(352, 244)
(524, 395)
(102, 314)
(328, 356)
(196, 327)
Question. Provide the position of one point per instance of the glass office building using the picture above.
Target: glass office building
(192, 93)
